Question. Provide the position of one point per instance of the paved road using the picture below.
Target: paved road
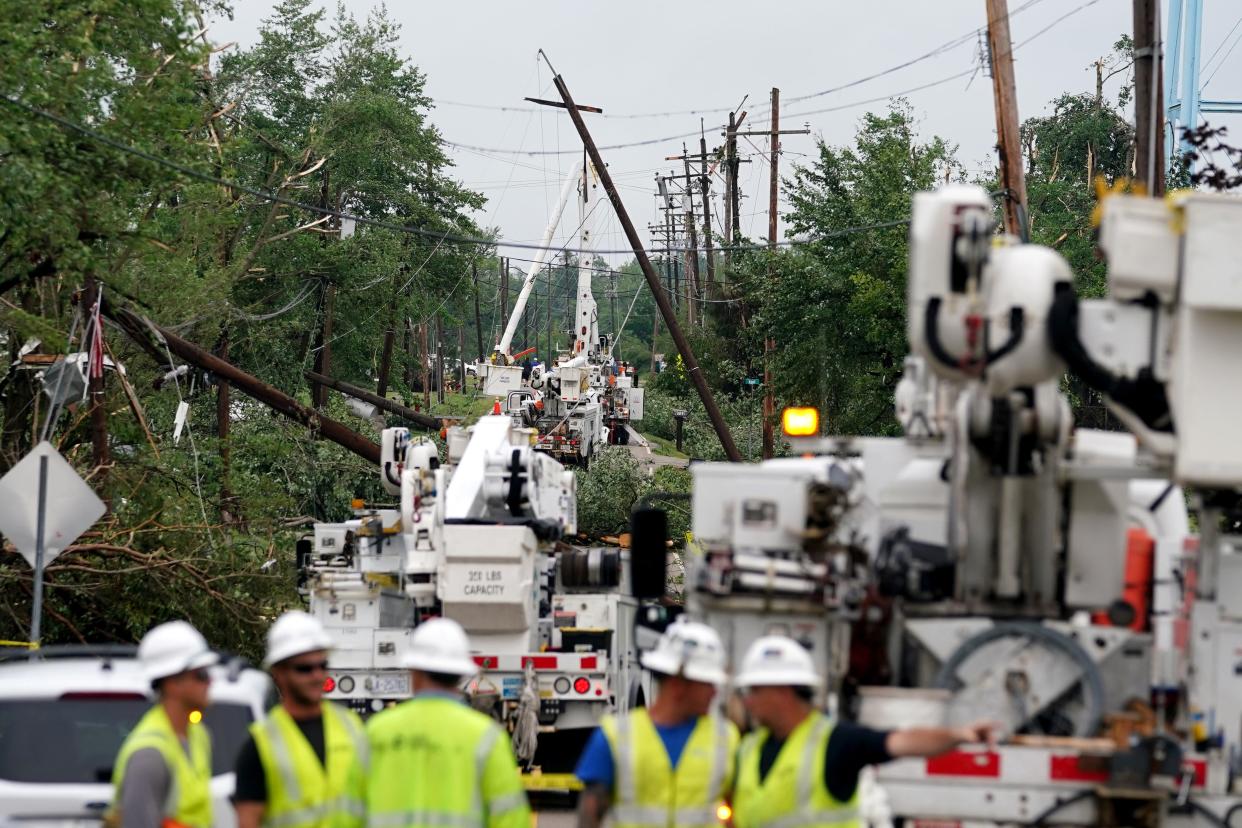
(555, 819)
(650, 460)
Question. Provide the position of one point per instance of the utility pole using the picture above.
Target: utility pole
(692, 252)
(503, 270)
(706, 185)
(408, 341)
(727, 230)
(425, 358)
(390, 334)
(1148, 97)
(478, 320)
(323, 357)
(774, 188)
(769, 342)
(735, 232)
(1004, 93)
(653, 280)
(439, 359)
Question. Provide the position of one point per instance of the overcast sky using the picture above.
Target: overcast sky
(635, 57)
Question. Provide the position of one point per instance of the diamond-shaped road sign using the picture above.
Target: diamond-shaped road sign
(71, 504)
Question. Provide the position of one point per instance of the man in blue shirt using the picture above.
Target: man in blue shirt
(671, 763)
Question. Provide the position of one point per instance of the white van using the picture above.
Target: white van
(64, 712)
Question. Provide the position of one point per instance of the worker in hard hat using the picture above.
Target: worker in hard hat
(297, 768)
(434, 760)
(671, 763)
(799, 768)
(162, 776)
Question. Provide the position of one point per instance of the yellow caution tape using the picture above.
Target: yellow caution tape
(551, 782)
(29, 645)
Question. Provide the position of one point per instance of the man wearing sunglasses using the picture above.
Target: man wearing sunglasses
(296, 769)
(162, 776)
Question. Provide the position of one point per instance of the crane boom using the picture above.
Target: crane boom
(506, 341)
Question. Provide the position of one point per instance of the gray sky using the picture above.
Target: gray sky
(640, 56)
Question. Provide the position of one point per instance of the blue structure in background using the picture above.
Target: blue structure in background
(1182, 107)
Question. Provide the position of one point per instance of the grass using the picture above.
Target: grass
(660, 445)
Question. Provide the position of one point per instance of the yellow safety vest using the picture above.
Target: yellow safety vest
(647, 791)
(793, 794)
(303, 792)
(189, 797)
(437, 763)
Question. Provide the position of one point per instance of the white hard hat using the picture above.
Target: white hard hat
(780, 661)
(172, 648)
(294, 633)
(688, 649)
(440, 646)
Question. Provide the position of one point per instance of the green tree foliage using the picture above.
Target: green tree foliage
(322, 111)
(836, 307)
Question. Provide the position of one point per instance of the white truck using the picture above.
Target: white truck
(479, 539)
(998, 562)
(583, 399)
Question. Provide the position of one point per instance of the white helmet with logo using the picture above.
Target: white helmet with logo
(172, 648)
(775, 660)
(294, 633)
(440, 646)
(688, 649)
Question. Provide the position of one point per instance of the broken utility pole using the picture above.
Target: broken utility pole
(653, 280)
(1008, 143)
(408, 414)
(137, 329)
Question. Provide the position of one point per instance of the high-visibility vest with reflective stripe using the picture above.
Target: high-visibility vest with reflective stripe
(303, 792)
(437, 763)
(647, 791)
(189, 794)
(793, 794)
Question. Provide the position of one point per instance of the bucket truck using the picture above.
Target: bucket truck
(581, 400)
(999, 562)
(479, 539)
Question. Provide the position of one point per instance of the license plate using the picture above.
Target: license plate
(398, 685)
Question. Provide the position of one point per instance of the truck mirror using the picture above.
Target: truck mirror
(648, 552)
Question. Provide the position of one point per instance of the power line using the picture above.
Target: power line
(440, 237)
(947, 46)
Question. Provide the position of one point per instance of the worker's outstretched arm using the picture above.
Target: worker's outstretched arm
(932, 741)
(593, 805)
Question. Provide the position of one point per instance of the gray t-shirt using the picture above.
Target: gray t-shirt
(145, 789)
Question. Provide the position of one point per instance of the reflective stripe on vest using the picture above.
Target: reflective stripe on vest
(627, 808)
(318, 796)
(808, 810)
(393, 802)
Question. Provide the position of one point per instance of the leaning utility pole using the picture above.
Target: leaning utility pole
(1004, 93)
(653, 280)
(1148, 97)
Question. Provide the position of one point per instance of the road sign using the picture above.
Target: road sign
(752, 381)
(72, 507)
